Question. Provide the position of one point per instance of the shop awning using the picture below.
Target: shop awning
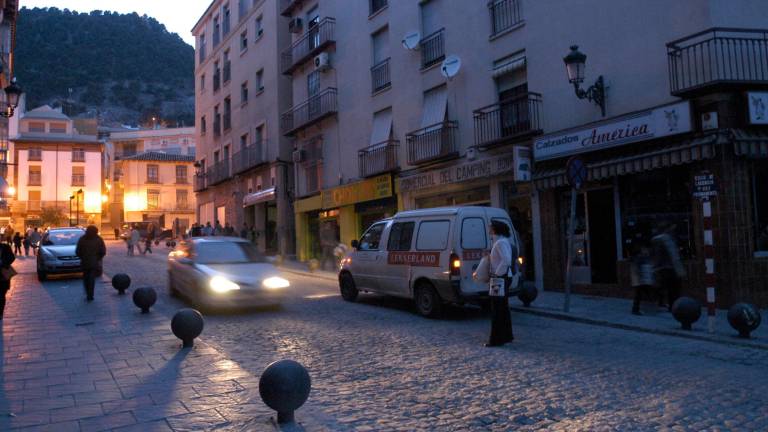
(508, 65)
(382, 127)
(750, 143)
(666, 156)
(435, 103)
(259, 197)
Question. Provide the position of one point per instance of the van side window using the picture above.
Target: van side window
(400, 236)
(473, 233)
(433, 235)
(371, 239)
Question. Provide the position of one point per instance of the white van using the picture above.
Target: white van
(427, 255)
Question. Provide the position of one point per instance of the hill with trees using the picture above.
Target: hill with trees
(125, 67)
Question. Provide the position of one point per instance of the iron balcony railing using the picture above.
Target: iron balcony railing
(314, 40)
(248, 157)
(433, 49)
(153, 180)
(182, 180)
(78, 179)
(718, 57)
(199, 183)
(508, 120)
(309, 112)
(434, 142)
(380, 76)
(218, 173)
(378, 158)
(78, 156)
(376, 5)
(505, 14)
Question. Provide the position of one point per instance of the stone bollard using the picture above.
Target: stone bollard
(186, 325)
(284, 386)
(744, 318)
(527, 294)
(121, 282)
(144, 298)
(687, 311)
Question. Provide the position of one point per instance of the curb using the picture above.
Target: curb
(603, 323)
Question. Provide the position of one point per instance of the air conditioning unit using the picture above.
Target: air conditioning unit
(298, 156)
(323, 62)
(294, 25)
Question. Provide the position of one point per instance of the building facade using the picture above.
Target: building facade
(57, 171)
(243, 169)
(9, 10)
(156, 186)
(446, 103)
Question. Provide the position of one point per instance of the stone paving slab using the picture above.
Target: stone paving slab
(72, 366)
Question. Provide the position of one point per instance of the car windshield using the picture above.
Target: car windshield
(62, 238)
(226, 253)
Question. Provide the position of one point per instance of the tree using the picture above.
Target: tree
(52, 216)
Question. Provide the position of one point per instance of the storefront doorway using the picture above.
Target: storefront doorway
(270, 229)
(518, 205)
(594, 243)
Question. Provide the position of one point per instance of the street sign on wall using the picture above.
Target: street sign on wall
(704, 185)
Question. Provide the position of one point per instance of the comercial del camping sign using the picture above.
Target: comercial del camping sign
(654, 123)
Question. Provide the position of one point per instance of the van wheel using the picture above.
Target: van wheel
(428, 302)
(347, 287)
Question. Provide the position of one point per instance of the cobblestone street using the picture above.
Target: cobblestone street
(375, 365)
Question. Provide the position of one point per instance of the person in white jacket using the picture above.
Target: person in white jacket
(501, 264)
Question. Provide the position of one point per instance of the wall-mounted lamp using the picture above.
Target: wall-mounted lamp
(575, 63)
(12, 95)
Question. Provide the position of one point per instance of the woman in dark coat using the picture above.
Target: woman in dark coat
(91, 250)
(6, 259)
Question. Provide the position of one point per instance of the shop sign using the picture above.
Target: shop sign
(416, 259)
(522, 155)
(704, 185)
(758, 107)
(654, 123)
(366, 190)
(459, 173)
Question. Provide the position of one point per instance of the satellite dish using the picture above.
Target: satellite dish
(411, 40)
(450, 66)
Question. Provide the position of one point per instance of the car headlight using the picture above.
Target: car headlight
(275, 283)
(221, 284)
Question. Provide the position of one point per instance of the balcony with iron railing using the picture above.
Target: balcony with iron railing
(153, 180)
(78, 156)
(379, 158)
(380, 79)
(247, 158)
(433, 49)
(182, 180)
(718, 59)
(314, 40)
(505, 14)
(435, 142)
(78, 179)
(309, 112)
(218, 173)
(199, 183)
(508, 120)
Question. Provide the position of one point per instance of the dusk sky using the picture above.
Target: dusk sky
(178, 15)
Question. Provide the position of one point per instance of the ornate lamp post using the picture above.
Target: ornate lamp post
(78, 194)
(575, 63)
(13, 94)
(71, 197)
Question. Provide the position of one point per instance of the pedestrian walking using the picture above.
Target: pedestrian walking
(6, 273)
(17, 243)
(25, 242)
(501, 268)
(147, 244)
(668, 270)
(208, 230)
(34, 240)
(91, 251)
(134, 241)
(641, 275)
(218, 229)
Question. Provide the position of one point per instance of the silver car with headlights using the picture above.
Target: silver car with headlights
(56, 254)
(224, 272)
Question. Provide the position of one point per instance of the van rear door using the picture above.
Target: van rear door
(473, 243)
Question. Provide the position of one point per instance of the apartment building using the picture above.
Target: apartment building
(56, 168)
(156, 186)
(448, 102)
(9, 10)
(243, 169)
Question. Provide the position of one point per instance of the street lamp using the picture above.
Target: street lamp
(575, 64)
(13, 94)
(71, 197)
(77, 203)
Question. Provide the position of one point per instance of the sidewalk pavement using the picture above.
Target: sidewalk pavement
(613, 312)
(72, 366)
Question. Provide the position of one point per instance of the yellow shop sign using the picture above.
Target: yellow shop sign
(366, 190)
